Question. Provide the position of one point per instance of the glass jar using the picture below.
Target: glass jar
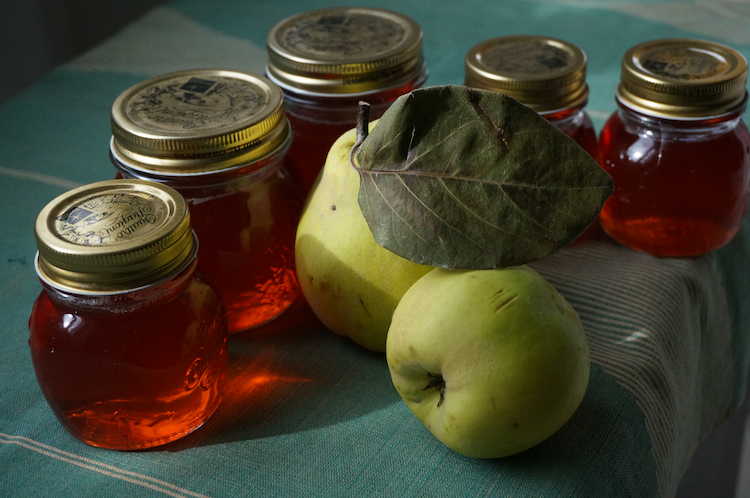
(545, 74)
(327, 60)
(677, 148)
(127, 339)
(219, 138)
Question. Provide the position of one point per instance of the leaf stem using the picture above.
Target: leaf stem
(363, 128)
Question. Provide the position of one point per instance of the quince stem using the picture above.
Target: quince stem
(363, 128)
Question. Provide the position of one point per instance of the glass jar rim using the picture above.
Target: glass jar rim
(415, 79)
(657, 113)
(181, 168)
(67, 289)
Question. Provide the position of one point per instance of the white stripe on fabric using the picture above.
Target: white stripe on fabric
(662, 358)
(109, 470)
(39, 177)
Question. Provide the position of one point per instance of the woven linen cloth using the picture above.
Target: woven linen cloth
(308, 413)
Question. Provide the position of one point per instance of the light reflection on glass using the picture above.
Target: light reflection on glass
(640, 148)
(70, 321)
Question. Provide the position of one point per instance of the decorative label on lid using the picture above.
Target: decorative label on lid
(683, 63)
(110, 219)
(343, 35)
(190, 103)
(525, 58)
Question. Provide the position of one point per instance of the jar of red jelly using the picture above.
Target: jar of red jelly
(127, 339)
(219, 138)
(677, 148)
(545, 74)
(327, 60)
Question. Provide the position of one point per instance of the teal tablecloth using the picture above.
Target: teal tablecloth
(311, 414)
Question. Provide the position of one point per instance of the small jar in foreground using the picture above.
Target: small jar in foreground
(219, 138)
(127, 339)
(677, 148)
(327, 60)
(543, 73)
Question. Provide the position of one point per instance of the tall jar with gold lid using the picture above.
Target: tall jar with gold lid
(219, 138)
(543, 73)
(327, 60)
(677, 148)
(127, 339)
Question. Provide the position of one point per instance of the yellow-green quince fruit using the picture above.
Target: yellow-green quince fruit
(350, 281)
(492, 362)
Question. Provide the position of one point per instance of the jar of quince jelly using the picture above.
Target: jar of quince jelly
(127, 339)
(545, 74)
(677, 148)
(219, 138)
(327, 60)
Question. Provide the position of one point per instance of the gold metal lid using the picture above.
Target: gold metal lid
(198, 121)
(345, 50)
(543, 73)
(113, 236)
(683, 79)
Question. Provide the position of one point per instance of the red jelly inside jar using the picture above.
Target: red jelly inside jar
(677, 148)
(577, 124)
(250, 253)
(128, 340)
(223, 149)
(681, 189)
(131, 380)
(328, 60)
(317, 124)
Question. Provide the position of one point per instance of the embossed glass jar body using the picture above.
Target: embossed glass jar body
(128, 342)
(131, 371)
(543, 73)
(328, 60)
(220, 138)
(677, 148)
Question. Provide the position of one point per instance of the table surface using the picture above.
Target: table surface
(308, 413)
